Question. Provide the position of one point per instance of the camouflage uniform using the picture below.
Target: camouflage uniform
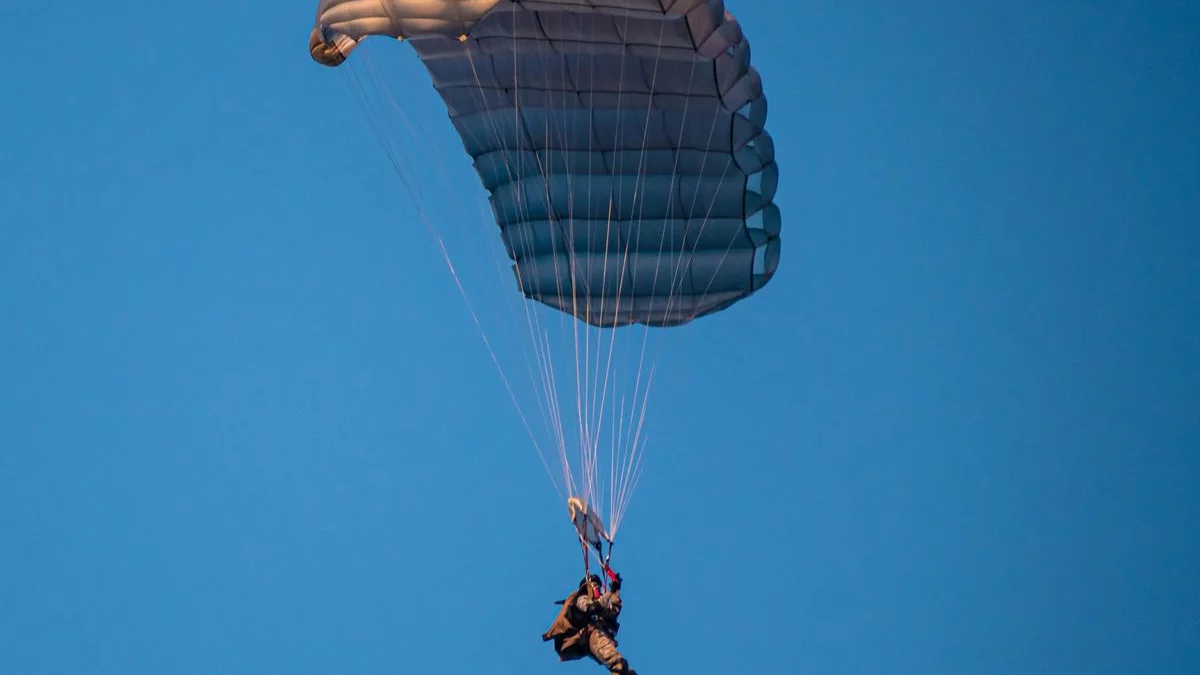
(588, 626)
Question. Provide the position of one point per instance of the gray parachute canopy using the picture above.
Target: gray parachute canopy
(622, 142)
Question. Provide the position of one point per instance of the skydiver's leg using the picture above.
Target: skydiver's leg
(604, 651)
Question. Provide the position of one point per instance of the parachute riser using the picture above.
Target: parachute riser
(601, 557)
(592, 535)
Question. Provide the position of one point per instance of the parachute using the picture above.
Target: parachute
(624, 150)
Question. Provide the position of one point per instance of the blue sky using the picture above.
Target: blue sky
(247, 425)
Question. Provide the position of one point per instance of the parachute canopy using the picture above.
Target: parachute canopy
(622, 143)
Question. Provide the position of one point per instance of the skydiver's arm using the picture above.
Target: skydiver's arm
(584, 603)
(609, 602)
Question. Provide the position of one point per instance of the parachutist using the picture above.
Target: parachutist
(587, 625)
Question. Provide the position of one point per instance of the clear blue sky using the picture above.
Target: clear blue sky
(247, 427)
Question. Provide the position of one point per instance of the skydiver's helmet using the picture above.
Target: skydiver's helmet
(595, 579)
